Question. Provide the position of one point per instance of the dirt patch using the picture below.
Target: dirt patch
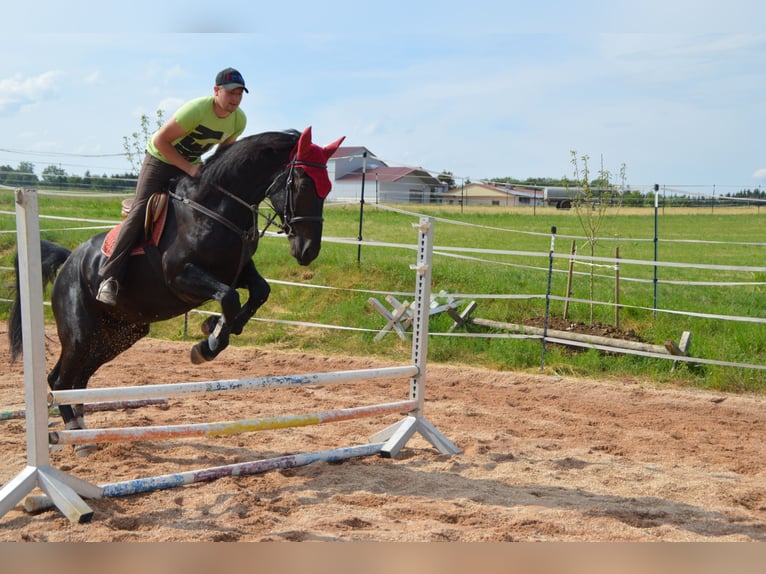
(596, 329)
(544, 458)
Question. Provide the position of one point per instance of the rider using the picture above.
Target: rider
(175, 149)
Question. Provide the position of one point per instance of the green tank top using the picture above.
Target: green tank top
(203, 129)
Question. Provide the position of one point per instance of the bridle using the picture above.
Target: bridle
(288, 213)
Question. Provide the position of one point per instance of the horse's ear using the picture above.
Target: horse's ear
(304, 143)
(330, 149)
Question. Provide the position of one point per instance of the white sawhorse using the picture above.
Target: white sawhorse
(399, 318)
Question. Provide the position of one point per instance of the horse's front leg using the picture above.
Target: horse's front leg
(196, 283)
(258, 292)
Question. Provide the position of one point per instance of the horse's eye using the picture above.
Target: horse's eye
(305, 184)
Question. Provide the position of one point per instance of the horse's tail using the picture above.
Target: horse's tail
(52, 257)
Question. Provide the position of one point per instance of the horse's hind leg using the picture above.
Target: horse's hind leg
(67, 412)
(81, 359)
(72, 415)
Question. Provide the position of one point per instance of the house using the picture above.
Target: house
(493, 194)
(350, 167)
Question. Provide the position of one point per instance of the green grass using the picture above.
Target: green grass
(388, 269)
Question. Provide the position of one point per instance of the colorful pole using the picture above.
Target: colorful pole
(39, 503)
(88, 436)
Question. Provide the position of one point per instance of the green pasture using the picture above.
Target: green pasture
(701, 237)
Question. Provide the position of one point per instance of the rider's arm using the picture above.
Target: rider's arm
(163, 141)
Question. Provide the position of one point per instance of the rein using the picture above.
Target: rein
(246, 235)
(251, 235)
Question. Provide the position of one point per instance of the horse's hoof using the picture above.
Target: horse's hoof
(85, 450)
(197, 358)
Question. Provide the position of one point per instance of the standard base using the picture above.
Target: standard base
(397, 435)
(64, 490)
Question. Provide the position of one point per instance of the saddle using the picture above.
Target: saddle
(154, 223)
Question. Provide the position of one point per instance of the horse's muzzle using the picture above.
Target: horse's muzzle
(304, 250)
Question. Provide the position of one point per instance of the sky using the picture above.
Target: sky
(674, 91)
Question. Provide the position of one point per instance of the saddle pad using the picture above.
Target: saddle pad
(111, 237)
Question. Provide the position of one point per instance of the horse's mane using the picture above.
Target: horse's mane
(251, 148)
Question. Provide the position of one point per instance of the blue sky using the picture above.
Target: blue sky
(675, 91)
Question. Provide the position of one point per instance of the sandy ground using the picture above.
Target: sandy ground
(544, 459)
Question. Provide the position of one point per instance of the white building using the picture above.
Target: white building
(351, 167)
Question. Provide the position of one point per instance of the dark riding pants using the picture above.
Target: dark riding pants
(154, 177)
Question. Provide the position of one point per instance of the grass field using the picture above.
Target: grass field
(706, 237)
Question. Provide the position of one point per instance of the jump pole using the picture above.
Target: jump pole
(394, 437)
(39, 503)
(77, 396)
(87, 436)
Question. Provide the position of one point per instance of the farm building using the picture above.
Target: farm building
(386, 184)
(487, 194)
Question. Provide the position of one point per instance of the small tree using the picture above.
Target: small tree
(54, 175)
(591, 200)
(135, 144)
(448, 178)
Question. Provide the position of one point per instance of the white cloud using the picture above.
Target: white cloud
(17, 91)
(169, 106)
(93, 79)
(760, 173)
(173, 73)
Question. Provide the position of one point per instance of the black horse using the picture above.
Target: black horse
(205, 253)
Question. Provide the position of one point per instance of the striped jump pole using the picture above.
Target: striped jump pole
(87, 436)
(34, 504)
(77, 396)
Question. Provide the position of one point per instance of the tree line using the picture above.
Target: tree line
(55, 177)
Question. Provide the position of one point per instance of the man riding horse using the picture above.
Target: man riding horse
(176, 149)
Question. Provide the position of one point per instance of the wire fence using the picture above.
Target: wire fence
(604, 269)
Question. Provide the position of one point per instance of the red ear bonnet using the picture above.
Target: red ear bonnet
(313, 160)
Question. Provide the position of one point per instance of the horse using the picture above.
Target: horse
(205, 253)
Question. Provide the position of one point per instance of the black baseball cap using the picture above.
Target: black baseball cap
(230, 79)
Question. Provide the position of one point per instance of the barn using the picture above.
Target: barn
(492, 194)
(351, 168)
